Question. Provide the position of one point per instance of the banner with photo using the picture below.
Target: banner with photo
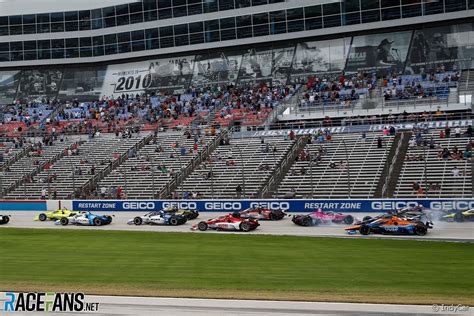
(383, 53)
(320, 56)
(218, 68)
(281, 64)
(171, 74)
(8, 85)
(256, 67)
(84, 84)
(451, 47)
(40, 83)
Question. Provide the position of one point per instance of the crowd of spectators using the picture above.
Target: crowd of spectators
(435, 84)
(336, 89)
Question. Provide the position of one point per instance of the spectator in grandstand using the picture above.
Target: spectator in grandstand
(434, 186)
(238, 191)
(468, 132)
(447, 131)
(456, 172)
(416, 186)
(43, 193)
(379, 142)
(467, 154)
(457, 131)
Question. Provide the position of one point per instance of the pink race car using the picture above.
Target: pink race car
(230, 222)
(321, 217)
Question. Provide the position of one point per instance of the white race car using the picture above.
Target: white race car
(159, 218)
(4, 219)
(85, 219)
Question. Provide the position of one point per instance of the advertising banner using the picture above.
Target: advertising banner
(8, 85)
(170, 74)
(281, 64)
(256, 67)
(450, 47)
(40, 83)
(319, 57)
(286, 205)
(84, 84)
(218, 68)
(383, 53)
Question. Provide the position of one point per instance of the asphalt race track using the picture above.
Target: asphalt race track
(449, 231)
(144, 306)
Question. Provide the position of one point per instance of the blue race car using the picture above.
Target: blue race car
(390, 224)
(159, 218)
(85, 219)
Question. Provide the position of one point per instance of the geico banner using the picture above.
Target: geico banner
(286, 205)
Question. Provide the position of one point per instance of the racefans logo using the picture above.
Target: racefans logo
(46, 302)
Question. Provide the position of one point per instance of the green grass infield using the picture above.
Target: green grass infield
(236, 266)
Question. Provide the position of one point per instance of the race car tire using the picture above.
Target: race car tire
(272, 216)
(138, 220)
(364, 230)
(307, 221)
(348, 220)
(5, 220)
(245, 227)
(458, 217)
(174, 221)
(367, 218)
(64, 221)
(194, 215)
(420, 230)
(202, 226)
(236, 215)
(109, 219)
(42, 217)
(97, 221)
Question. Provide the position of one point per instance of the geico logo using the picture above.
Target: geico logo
(272, 205)
(224, 206)
(393, 205)
(138, 205)
(451, 205)
(182, 205)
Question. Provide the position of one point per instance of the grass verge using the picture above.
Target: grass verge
(236, 266)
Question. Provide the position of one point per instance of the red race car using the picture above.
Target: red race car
(321, 217)
(260, 212)
(230, 222)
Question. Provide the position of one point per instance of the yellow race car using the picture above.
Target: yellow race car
(55, 215)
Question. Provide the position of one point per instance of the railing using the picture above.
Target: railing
(278, 171)
(192, 164)
(392, 164)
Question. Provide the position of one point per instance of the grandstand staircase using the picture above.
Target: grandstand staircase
(204, 154)
(271, 188)
(388, 180)
(37, 170)
(93, 182)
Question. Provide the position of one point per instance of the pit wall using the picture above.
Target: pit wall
(292, 206)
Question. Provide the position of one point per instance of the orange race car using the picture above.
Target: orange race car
(390, 224)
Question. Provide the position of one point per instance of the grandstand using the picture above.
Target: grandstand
(119, 101)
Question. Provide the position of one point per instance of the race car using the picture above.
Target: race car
(55, 215)
(159, 218)
(415, 214)
(458, 216)
(263, 213)
(321, 217)
(4, 219)
(229, 222)
(85, 219)
(189, 214)
(390, 224)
